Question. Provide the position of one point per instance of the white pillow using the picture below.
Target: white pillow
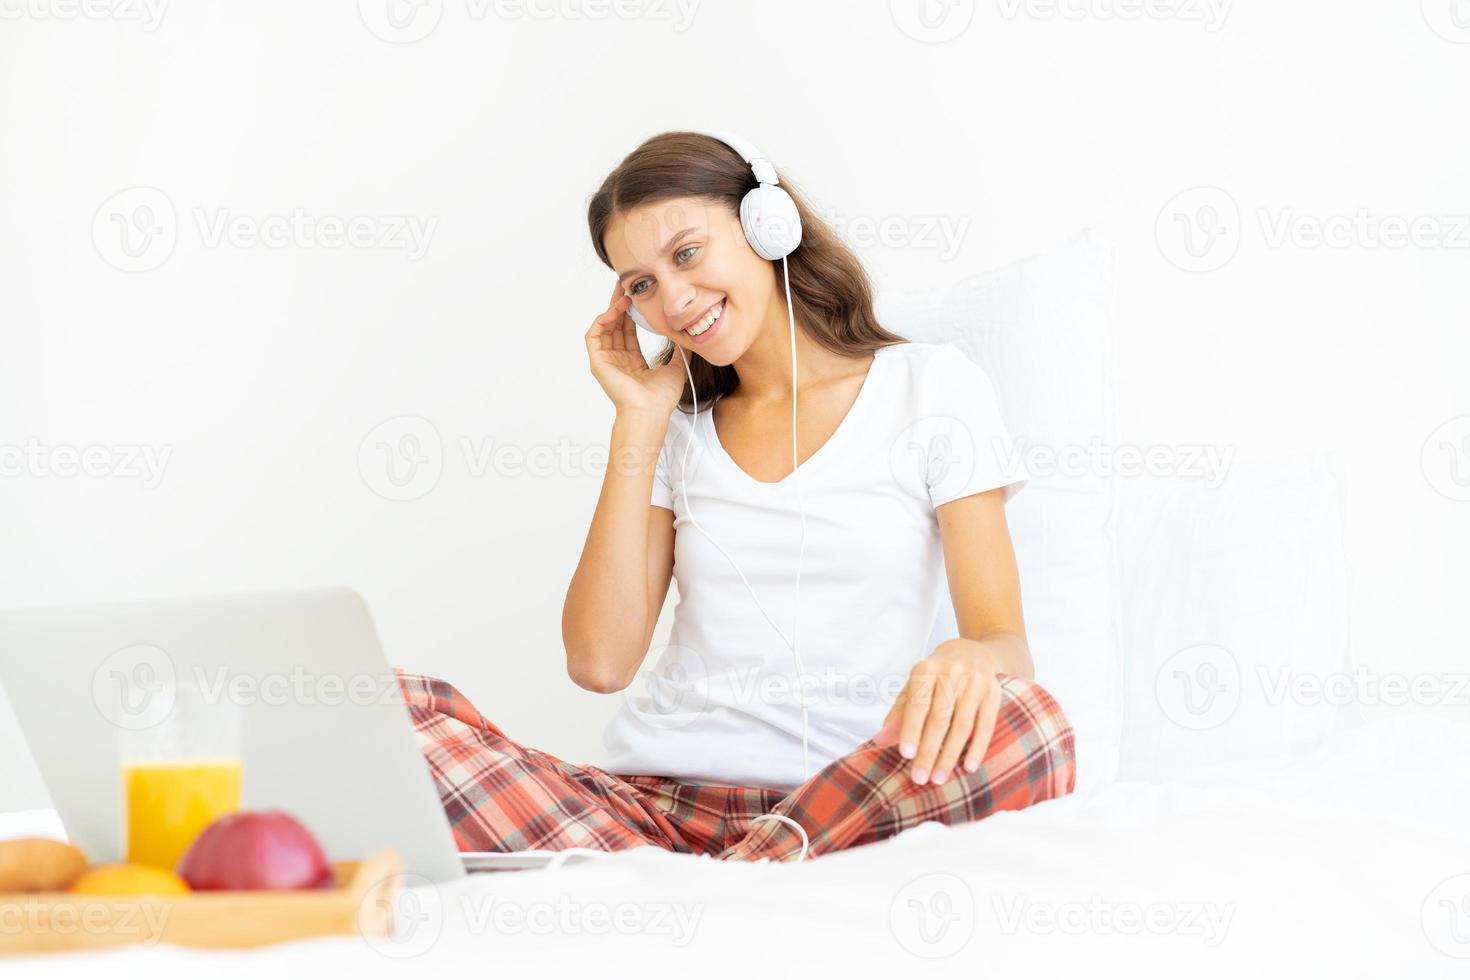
(1039, 327)
(1233, 597)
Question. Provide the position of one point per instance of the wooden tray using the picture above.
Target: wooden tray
(360, 904)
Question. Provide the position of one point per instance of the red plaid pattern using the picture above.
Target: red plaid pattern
(500, 795)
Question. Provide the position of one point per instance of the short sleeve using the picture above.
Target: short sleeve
(970, 449)
(663, 493)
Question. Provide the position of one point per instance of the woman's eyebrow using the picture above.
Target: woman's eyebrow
(668, 247)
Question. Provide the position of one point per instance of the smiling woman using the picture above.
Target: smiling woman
(855, 731)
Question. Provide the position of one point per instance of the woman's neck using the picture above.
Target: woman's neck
(765, 368)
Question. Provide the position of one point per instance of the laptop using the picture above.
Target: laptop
(326, 735)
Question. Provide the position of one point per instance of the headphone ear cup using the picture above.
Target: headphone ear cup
(771, 222)
(638, 320)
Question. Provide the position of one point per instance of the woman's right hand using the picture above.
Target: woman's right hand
(619, 366)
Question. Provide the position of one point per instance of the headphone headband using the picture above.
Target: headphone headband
(765, 171)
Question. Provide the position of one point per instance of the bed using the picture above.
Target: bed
(1353, 861)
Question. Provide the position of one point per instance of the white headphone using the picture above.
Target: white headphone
(772, 226)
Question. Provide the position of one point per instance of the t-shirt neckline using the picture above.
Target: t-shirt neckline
(848, 422)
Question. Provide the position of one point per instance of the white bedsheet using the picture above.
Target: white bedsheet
(1341, 865)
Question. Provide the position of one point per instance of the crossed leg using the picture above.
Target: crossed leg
(502, 796)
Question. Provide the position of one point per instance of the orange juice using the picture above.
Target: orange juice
(167, 802)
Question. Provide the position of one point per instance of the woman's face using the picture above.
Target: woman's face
(684, 260)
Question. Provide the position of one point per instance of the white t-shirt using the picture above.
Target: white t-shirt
(720, 701)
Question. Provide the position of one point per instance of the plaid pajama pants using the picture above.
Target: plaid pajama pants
(500, 795)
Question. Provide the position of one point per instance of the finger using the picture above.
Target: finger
(617, 335)
(966, 713)
(630, 330)
(936, 726)
(920, 689)
(984, 727)
(614, 313)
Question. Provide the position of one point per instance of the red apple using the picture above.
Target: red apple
(263, 849)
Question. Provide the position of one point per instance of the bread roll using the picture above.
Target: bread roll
(39, 864)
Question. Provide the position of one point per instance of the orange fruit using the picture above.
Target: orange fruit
(129, 879)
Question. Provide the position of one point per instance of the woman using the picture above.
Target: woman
(900, 480)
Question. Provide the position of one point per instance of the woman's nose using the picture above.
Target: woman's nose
(681, 308)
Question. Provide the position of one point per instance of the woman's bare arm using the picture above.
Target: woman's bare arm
(623, 576)
(984, 585)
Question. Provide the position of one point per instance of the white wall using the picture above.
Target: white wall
(262, 369)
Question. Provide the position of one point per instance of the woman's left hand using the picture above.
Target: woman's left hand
(948, 705)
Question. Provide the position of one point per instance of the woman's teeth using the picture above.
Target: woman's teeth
(707, 322)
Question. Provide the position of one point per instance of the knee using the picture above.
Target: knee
(1031, 717)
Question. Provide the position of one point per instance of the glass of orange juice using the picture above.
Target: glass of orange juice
(180, 774)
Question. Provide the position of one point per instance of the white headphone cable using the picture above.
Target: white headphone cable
(796, 477)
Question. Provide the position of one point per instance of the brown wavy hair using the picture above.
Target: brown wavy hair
(829, 286)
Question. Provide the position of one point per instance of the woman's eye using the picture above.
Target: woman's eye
(637, 288)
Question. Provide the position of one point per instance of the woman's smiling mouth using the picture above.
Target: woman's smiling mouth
(701, 329)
